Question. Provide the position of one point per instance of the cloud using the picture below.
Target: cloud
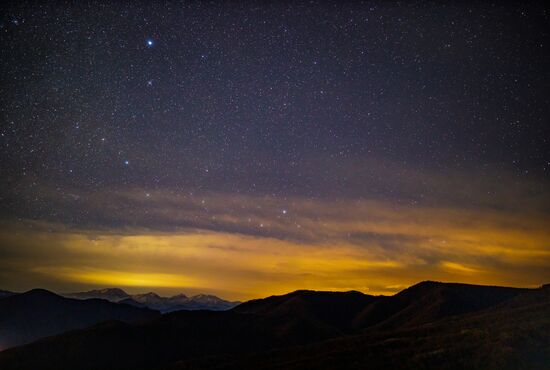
(383, 226)
(245, 246)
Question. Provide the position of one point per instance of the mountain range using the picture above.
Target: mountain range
(430, 325)
(154, 301)
(39, 313)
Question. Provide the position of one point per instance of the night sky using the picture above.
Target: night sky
(247, 149)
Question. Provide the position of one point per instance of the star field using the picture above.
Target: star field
(407, 103)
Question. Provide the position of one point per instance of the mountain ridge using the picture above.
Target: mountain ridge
(312, 325)
(37, 313)
(154, 301)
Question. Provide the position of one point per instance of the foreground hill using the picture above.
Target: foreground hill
(333, 310)
(355, 311)
(175, 336)
(430, 325)
(513, 335)
(38, 313)
(429, 301)
(156, 302)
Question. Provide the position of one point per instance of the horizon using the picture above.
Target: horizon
(245, 151)
(135, 292)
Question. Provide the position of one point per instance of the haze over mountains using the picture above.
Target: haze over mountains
(156, 302)
(39, 313)
(427, 326)
(25, 317)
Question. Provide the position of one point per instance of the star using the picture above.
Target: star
(315, 126)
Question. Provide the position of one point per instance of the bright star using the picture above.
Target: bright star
(126, 162)
(150, 43)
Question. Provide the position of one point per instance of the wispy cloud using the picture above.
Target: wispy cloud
(247, 246)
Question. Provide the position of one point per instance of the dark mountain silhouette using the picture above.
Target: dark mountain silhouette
(421, 303)
(132, 302)
(38, 313)
(513, 335)
(428, 326)
(5, 293)
(174, 336)
(530, 297)
(428, 301)
(335, 311)
(156, 302)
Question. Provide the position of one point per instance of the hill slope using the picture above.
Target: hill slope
(513, 335)
(430, 325)
(5, 293)
(428, 301)
(38, 313)
(333, 310)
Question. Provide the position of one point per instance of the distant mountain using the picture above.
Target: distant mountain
(211, 300)
(38, 313)
(208, 302)
(132, 302)
(182, 302)
(156, 302)
(110, 294)
(428, 326)
(152, 300)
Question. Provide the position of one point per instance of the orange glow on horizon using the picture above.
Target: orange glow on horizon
(366, 246)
